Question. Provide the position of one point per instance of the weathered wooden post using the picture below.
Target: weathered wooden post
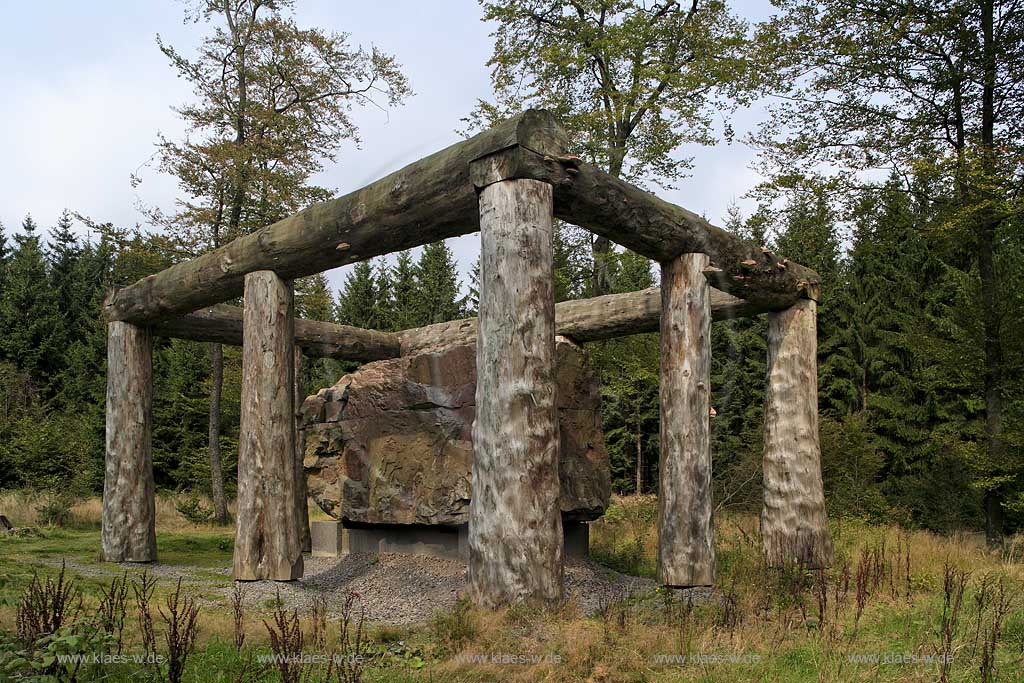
(301, 493)
(267, 539)
(129, 513)
(686, 541)
(515, 523)
(794, 525)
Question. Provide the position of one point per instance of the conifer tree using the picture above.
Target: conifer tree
(357, 301)
(29, 316)
(473, 298)
(313, 299)
(384, 302)
(72, 296)
(403, 290)
(437, 285)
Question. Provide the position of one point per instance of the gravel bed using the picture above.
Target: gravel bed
(394, 588)
(404, 589)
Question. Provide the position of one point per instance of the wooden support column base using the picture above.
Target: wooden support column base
(129, 511)
(794, 524)
(268, 543)
(515, 524)
(686, 536)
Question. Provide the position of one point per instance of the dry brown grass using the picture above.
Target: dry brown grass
(22, 507)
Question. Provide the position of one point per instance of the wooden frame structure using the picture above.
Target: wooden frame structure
(508, 183)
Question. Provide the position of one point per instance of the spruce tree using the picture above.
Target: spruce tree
(404, 292)
(29, 315)
(384, 302)
(473, 298)
(357, 301)
(437, 286)
(313, 299)
(72, 296)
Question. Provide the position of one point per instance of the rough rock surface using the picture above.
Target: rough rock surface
(391, 442)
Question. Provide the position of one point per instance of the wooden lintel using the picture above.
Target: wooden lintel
(584, 320)
(317, 339)
(608, 206)
(429, 200)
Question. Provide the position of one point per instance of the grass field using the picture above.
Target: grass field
(891, 609)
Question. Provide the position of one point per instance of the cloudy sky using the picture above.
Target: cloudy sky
(85, 92)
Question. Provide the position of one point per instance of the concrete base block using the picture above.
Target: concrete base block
(327, 539)
(332, 539)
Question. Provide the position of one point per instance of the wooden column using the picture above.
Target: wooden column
(129, 513)
(686, 540)
(301, 493)
(515, 524)
(794, 525)
(267, 539)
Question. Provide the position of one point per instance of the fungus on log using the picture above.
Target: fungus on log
(129, 511)
(435, 198)
(686, 541)
(608, 206)
(267, 539)
(794, 525)
(515, 526)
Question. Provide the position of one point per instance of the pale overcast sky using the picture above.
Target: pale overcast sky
(85, 91)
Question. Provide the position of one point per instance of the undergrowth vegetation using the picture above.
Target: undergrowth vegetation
(897, 605)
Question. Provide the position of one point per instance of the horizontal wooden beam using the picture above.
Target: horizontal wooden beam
(436, 198)
(589, 197)
(223, 324)
(583, 320)
(429, 200)
(603, 317)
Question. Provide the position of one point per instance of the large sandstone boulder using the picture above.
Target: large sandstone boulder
(391, 443)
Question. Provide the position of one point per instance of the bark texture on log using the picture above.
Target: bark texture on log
(602, 317)
(686, 540)
(129, 512)
(223, 324)
(267, 540)
(794, 525)
(515, 527)
(426, 201)
(301, 494)
(583, 320)
(612, 208)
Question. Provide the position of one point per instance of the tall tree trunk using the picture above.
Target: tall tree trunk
(639, 456)
(220, 506)
(989, 223)
(216, 350)
(601, 247)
